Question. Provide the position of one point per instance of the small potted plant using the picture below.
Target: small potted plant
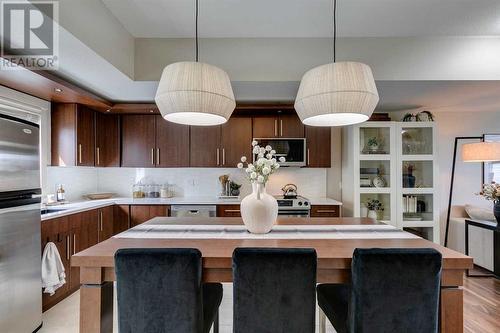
(373, 144)
(491, 192)
(374, 206)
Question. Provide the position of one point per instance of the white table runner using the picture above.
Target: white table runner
(166, 231)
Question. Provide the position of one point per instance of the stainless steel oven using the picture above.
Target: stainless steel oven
(292, 149)
(293, 212)
(293, 207)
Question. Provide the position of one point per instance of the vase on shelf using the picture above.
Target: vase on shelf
(259, 210)
(372, 214)
(496, 212)
(364, 211)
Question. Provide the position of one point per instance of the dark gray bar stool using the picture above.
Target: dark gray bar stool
(160, 290)
(274, 290)
(392, 290)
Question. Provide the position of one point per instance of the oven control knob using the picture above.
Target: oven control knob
(300, 203)
(306, 203)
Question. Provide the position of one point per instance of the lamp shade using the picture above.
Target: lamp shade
(481, 152)
(194, 93)
(337, 94)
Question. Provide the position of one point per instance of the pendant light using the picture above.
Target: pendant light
(336, 94)
(195, 93)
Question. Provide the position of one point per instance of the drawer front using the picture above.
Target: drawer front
(325, 211)
(228, 211)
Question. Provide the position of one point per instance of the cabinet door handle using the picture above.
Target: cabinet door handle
(232, 211)
(325, 211)
(98, 155)
(275, 127)
(67, 248)
(218, 156)
(74, 243)
(281, 127)
(308, 160)
(100, 219)
(223, 156)
(152, 156)
(80, 153)
(157, 156)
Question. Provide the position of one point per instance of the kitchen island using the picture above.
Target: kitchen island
(334, 260)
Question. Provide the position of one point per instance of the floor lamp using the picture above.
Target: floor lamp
(471, 152)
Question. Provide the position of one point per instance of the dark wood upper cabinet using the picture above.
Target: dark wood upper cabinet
(107, 137)
(290, 126)
(205, 148)
(72, 135)
(265, 127)
(85, 139)
(284, 125)
(318, 143)
(172, 144)
(236, 141)
(138, 141)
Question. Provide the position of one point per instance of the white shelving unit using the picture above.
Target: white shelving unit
(406, 159)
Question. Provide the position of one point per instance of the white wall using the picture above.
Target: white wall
(103, 32)
(334, 174)
(467, 175)
(287, 59)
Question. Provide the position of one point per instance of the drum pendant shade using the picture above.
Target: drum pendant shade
(481, 152)
(195, 93)
(337, 94)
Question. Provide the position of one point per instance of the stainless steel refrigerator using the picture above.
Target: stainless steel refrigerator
(20, 257)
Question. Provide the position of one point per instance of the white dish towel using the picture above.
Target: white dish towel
(53, 272)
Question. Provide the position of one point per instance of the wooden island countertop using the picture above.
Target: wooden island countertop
(334, 259)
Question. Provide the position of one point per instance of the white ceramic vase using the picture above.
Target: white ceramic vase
(372, 214)
(259, 210)
(364, 211)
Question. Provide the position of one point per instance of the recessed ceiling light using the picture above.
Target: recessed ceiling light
(151, 111)
(57, 90)
(108, 110)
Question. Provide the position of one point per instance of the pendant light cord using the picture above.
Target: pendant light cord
(334, 29)
(196, 30)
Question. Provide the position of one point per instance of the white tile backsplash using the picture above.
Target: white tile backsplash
(189, 182)
(76, 181)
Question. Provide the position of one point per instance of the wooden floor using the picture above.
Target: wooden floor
(481, 305)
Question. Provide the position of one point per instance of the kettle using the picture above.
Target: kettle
(289, 191)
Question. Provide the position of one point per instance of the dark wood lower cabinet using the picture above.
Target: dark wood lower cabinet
(72, 234)
(141, 213)
(228, 211)
(106, 226)
(57, 232)
(325, 211)
(121, 218)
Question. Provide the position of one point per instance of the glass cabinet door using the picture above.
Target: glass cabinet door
(375, 140)
(417, 174)
(417, 140)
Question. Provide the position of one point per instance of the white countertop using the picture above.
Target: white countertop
(81, 206)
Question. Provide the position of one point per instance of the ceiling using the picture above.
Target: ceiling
(307, 18)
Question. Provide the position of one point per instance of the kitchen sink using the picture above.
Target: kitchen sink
(51, 210)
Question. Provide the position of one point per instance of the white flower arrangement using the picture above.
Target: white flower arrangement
(265, 164)
(491, 192)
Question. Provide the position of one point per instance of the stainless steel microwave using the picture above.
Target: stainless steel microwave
(292, 149)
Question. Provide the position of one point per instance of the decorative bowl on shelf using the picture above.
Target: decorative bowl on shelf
(99, 196)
